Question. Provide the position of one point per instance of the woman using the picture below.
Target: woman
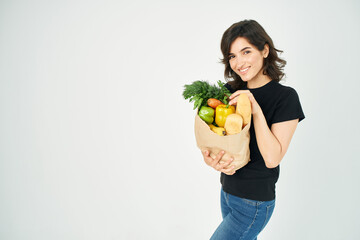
(248, 194)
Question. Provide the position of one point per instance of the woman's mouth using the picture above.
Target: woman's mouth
(244, 70)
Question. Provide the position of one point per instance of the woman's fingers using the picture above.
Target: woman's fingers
(227, 168)
(229, 171)
(205, 153)
(236, 94)
(223, 165)
(219, 156)
(233, 101)
(214, 162)
(217, 164)
(208, 160)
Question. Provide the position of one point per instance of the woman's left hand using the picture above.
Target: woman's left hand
(255, 108)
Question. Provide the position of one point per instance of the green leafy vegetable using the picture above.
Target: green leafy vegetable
(200, 91)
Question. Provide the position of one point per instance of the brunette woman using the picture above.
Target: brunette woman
(253, 67)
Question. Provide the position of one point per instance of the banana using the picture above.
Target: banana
(218, 130)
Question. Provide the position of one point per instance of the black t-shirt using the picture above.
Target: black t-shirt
(255, 181)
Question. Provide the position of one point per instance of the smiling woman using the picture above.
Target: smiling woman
(248, 61)
(254, 69)
(250, 45)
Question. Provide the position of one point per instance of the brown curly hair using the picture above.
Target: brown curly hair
(256, 35)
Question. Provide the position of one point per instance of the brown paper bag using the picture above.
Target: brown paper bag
(235, 146)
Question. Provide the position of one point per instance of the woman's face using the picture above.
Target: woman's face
(246, 60)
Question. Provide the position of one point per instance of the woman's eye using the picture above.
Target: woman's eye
(246, 52)
(230, 57)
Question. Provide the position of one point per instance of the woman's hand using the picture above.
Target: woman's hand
(215, 162)
(255, 108)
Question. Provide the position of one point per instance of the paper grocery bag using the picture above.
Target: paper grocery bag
(235, 146)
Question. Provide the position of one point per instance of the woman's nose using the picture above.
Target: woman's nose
(239, 62)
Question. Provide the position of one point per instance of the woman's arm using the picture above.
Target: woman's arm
(273, 143)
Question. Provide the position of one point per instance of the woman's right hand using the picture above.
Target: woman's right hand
(224, 167)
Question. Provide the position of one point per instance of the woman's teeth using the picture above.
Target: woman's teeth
(244, 70)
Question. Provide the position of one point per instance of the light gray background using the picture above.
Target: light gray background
(96, 141)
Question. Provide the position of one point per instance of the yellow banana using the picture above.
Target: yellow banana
(218, 130)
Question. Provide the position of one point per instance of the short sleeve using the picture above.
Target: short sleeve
(288, 107)
(227, 85)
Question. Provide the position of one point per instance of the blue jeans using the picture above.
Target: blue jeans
(243, 219)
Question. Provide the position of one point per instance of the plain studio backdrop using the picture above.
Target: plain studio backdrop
(97, 142)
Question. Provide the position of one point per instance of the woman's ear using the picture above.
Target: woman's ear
(266, 50)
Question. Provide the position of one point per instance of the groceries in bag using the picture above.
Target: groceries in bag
(218, 125)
